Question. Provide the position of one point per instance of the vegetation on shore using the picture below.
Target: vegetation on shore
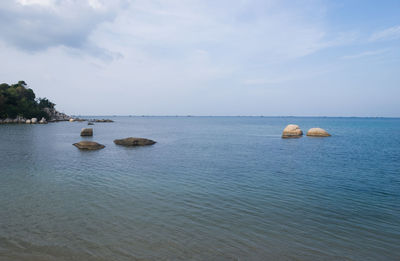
(19, 100)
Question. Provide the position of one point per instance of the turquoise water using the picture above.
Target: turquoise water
(212, 188)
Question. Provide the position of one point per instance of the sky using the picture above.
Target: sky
(206, 57)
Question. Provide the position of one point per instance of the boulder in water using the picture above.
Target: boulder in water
(131, 141)
(87, 132)
(292, 131)
(88, 145)
(317, 132)
(34, 120)
(43, 121)
(71, 120)
(28, 122)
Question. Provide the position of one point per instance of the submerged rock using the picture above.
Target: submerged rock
(131, 141)
(88, 145)
(87, 132)
(317, 132)
(292, 131)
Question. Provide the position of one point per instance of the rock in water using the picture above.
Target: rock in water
(317, 132)
(43, 121)
(131, 141)
(71, 120)
(292, 131)
(88, 145)
(28, 122)
(87, 132)
(34, 120)
(104, 120)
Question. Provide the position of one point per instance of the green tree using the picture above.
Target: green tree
(19, 100)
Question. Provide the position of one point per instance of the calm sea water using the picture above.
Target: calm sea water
(212, 188)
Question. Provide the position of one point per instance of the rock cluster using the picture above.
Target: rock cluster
(53, 116)
(131, 141)
(90, 120)
(103, 120)
(90, 145)
(292, 131)
(19, 119)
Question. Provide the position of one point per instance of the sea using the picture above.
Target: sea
(211, 188)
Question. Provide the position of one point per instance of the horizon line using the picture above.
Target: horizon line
(260, 116)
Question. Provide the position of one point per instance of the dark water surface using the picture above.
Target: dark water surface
(212, 188)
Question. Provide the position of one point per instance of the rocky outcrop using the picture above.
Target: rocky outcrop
(88, 145)
(292, 131)
(317, 132)
(19, 119)
(76, 119)
(131, 141)
(87, 132)
(54, 115)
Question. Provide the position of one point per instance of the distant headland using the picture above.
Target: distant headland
(18, 104)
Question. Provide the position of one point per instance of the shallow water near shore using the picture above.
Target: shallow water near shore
(211, 188)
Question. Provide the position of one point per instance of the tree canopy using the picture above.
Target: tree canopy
(19, 100)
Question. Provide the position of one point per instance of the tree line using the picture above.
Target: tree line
(19, 100)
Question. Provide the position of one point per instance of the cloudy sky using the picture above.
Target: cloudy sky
(206, 57)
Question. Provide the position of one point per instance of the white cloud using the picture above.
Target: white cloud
(364, 54)
(36, 25)
(36, 2)
(387, 34)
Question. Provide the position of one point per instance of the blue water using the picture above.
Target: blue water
(211, 188)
